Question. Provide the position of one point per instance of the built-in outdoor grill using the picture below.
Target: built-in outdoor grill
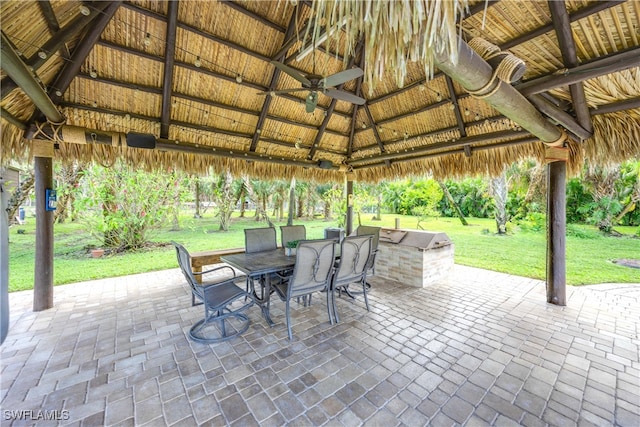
(414, 257)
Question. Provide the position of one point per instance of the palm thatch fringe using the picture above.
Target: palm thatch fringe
(616, 137)
(413, 32)
(13, 146)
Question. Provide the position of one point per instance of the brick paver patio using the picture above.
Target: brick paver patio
(481, 349)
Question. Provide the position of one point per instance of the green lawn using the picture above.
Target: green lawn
(589, 257)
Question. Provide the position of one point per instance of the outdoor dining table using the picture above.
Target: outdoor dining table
(261, 264)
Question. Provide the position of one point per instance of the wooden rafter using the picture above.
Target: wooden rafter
(352, 128)
(49, 16)
(487, 137)
(71, 68)
(261, 19)
(627, 104)
(272, 85)
(13, 66)
(594, 7)
(562, 25)
(332, 106)
(426, 155)
(167, 83)
(54, 44)
(606, 65)
(458, 114)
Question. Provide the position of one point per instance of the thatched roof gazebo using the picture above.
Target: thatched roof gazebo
(447, 87)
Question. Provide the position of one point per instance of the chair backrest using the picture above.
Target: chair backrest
(313, 268)
(364, 230)
(184, 261)
(291, 233)
(354, 256)
(260, 239)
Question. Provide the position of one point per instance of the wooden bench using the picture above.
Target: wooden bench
(200, 259)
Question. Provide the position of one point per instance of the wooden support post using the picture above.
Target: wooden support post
(43, 284)
(556, 233)
(349, 219)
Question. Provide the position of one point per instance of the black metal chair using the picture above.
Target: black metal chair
(355, 252)
(221, 321)
(312, 273)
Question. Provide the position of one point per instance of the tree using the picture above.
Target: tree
(123, 205)
(606, 204)
(452, 203)
(68, 177)
(262, 194)
(19, 195)
(225, 198)
(499, 189)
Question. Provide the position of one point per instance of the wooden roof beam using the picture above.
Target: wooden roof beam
(475, 74)
(582, 13)
(272, 85)
(167, 82)
(22, 75)
(261, 19)
(562, 117)
(562, 26)
(80, 53)
(594, 7)
(519, 141)
(13, 119)
(200, 32)
(54, 44)
(414, 112)
(49, 16)
(606, 65)
(487, 137)
(353, 118)
(332, 106)
(627, 104)
(181, 124)
(458, 114)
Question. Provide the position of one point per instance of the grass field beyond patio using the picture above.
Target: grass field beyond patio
(589, 257)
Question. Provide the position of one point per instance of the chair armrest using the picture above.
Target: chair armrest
(215, 269)
(222, 280)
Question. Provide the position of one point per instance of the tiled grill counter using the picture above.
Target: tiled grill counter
(414, 257)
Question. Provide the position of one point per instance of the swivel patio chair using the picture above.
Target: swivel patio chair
(355, 252)
(223, 319)
(311, 273)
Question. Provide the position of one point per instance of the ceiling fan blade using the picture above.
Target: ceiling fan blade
(292, 72)
(345, 96)
(281, 91)
(312, 101)
(341, 77)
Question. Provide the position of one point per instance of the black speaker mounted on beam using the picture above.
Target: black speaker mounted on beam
(141, 140)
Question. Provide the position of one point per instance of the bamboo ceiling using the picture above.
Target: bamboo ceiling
(190, 73)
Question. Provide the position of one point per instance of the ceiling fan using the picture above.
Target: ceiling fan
(315, 83)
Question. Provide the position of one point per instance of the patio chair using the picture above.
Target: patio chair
(311, 273)
(291, 233)
(259, 240)
(364, 230)
(355, 252)
(221, 321)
